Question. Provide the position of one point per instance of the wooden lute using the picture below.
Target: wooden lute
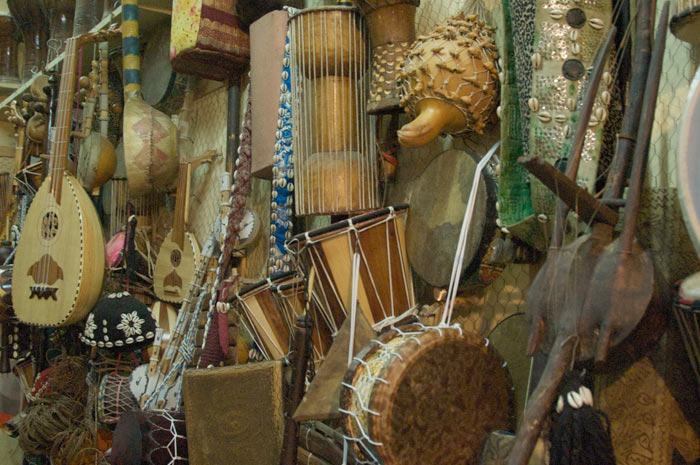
(178, 256)
(59, 265)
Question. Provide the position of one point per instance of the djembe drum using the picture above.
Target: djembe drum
(333, 146)
(392, 30)
(31, 18)
(450, 81)
(421, 395)
(114, 398)
(268, 310)
(8, 49)
(385, 286)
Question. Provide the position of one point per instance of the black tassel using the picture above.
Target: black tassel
(580, 433)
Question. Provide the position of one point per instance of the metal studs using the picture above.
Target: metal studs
(576, 17)
(573, 70)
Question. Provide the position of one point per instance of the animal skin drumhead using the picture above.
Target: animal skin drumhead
(438, 203)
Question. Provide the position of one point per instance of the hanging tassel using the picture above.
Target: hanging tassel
(580, 433)
(211, 352)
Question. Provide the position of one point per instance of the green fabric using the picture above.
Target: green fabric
(513, 187)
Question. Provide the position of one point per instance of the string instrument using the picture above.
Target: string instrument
(60, 260)
(179, 253)
(97, 159)
(150, 139)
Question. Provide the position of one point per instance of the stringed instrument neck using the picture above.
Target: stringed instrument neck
(180, 215)
(59, 148)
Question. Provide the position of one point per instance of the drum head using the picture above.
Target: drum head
(438, 203)
(442, 392)
(157, 76)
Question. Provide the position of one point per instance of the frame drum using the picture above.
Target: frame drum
(385, 286)
(421, 395)
(438, 202)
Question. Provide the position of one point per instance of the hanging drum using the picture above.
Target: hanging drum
(8, 49)
(685, 24)
(421, 395)
(268, 310)
(334, 151)
(162, 88)
(392, 30)
(385, 286)
(31, 18)
(438, 202)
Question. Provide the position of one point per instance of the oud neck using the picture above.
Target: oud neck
(130, 44)
(180, 216)
(59, 149)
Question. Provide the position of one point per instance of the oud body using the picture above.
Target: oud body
(175, 265)
(59, 263)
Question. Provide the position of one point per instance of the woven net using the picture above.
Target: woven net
(167, 439)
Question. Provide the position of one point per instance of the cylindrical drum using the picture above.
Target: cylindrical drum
(268, 310)
(392, 30)
(334, 151)
(384, 282)
(8, 50)
(114, 398)
(31, 18)
(424, 395)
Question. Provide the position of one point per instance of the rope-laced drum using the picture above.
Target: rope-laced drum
(419, 395)
(385, 286)
(114, 398)
(334, 152)
(268, 310)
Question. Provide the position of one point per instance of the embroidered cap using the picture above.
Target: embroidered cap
(119, 322)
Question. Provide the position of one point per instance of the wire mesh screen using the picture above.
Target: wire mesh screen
(661, 228)
(208, 133)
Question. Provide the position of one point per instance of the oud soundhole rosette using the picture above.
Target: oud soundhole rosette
(175, 258)
(49, 226)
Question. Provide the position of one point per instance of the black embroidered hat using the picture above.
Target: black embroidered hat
(119, 322)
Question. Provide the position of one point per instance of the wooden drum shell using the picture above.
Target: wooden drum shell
(334, 153)
(385, 288)
(445, 382)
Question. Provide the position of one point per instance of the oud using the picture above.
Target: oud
(178, 256)
(59, 264)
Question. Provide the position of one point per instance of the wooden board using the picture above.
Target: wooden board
(234, 414)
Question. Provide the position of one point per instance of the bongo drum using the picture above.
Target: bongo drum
(31, 18)
(421, 395)
(114, 398)
(450, 81)
(392, 30)
(686, 308)
(333, 144)
(268, 310)
(8, 50)
(385, 286)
